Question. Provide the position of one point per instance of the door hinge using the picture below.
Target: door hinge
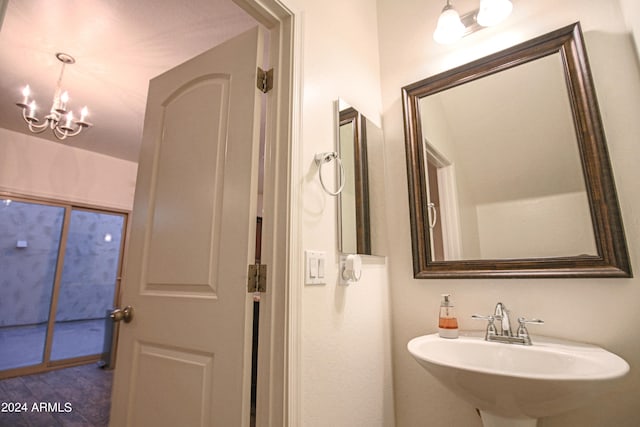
(257, 281)
(265, 80)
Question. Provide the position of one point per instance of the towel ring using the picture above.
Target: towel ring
(433, 215)
(322, 158)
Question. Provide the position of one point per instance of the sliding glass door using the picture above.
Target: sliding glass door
(88, 283)
(30, 236)
(60, 268)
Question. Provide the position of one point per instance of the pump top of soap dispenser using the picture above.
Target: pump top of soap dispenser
(445, 300)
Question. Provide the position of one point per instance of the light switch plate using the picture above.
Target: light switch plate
(315, 267)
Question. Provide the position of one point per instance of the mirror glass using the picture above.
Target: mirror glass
(509, 174)
(353, 200)
(503, 168)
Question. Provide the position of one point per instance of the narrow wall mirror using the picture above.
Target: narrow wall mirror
(508, 169)
(354, 234)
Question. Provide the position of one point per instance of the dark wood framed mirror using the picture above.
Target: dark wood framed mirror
(508, 168)
(353, 202)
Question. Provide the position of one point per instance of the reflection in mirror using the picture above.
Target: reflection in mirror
(518, 182)
(509, 174)
(353, 201)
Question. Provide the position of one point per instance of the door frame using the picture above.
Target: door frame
(449, 212)
(279, 346)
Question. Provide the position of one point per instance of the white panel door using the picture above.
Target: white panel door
(184, 359)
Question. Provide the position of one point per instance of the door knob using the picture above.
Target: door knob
(125, 314)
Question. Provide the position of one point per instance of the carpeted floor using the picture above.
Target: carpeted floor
(72, 397)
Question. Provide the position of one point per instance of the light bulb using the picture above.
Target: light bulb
(449, 28)
(26, 92)
(493, 12)
(69, 119)
(83, 113)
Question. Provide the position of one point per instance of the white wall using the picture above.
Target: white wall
(557, 225)
(37, 167)
(601, 311)
(346, 368)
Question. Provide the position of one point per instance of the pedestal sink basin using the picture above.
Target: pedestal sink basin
(514, 385)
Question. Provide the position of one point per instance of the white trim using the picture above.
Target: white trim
(449, 210)
(49, 195)
(296, 267)
(439, 158)
(279, 350)
(449, 213)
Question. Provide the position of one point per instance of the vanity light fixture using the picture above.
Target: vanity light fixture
(452, 27)
(60, 120)
(493, 12)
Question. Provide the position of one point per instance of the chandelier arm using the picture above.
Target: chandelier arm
(74, 132)
(60, 134)
(38, 128)
(31, 123)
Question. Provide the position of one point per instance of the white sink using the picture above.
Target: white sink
(509, 382)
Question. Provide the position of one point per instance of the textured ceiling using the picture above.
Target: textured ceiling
(119, 45)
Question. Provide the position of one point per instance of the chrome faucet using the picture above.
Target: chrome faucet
(506, 335)
(502, 314)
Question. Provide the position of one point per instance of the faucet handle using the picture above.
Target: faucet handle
(481, 317)
(522, 329)
(491, 327)
(522, 321)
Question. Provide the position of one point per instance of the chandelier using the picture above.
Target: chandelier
(60, 120)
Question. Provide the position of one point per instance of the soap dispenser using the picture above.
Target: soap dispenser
(447, 323)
